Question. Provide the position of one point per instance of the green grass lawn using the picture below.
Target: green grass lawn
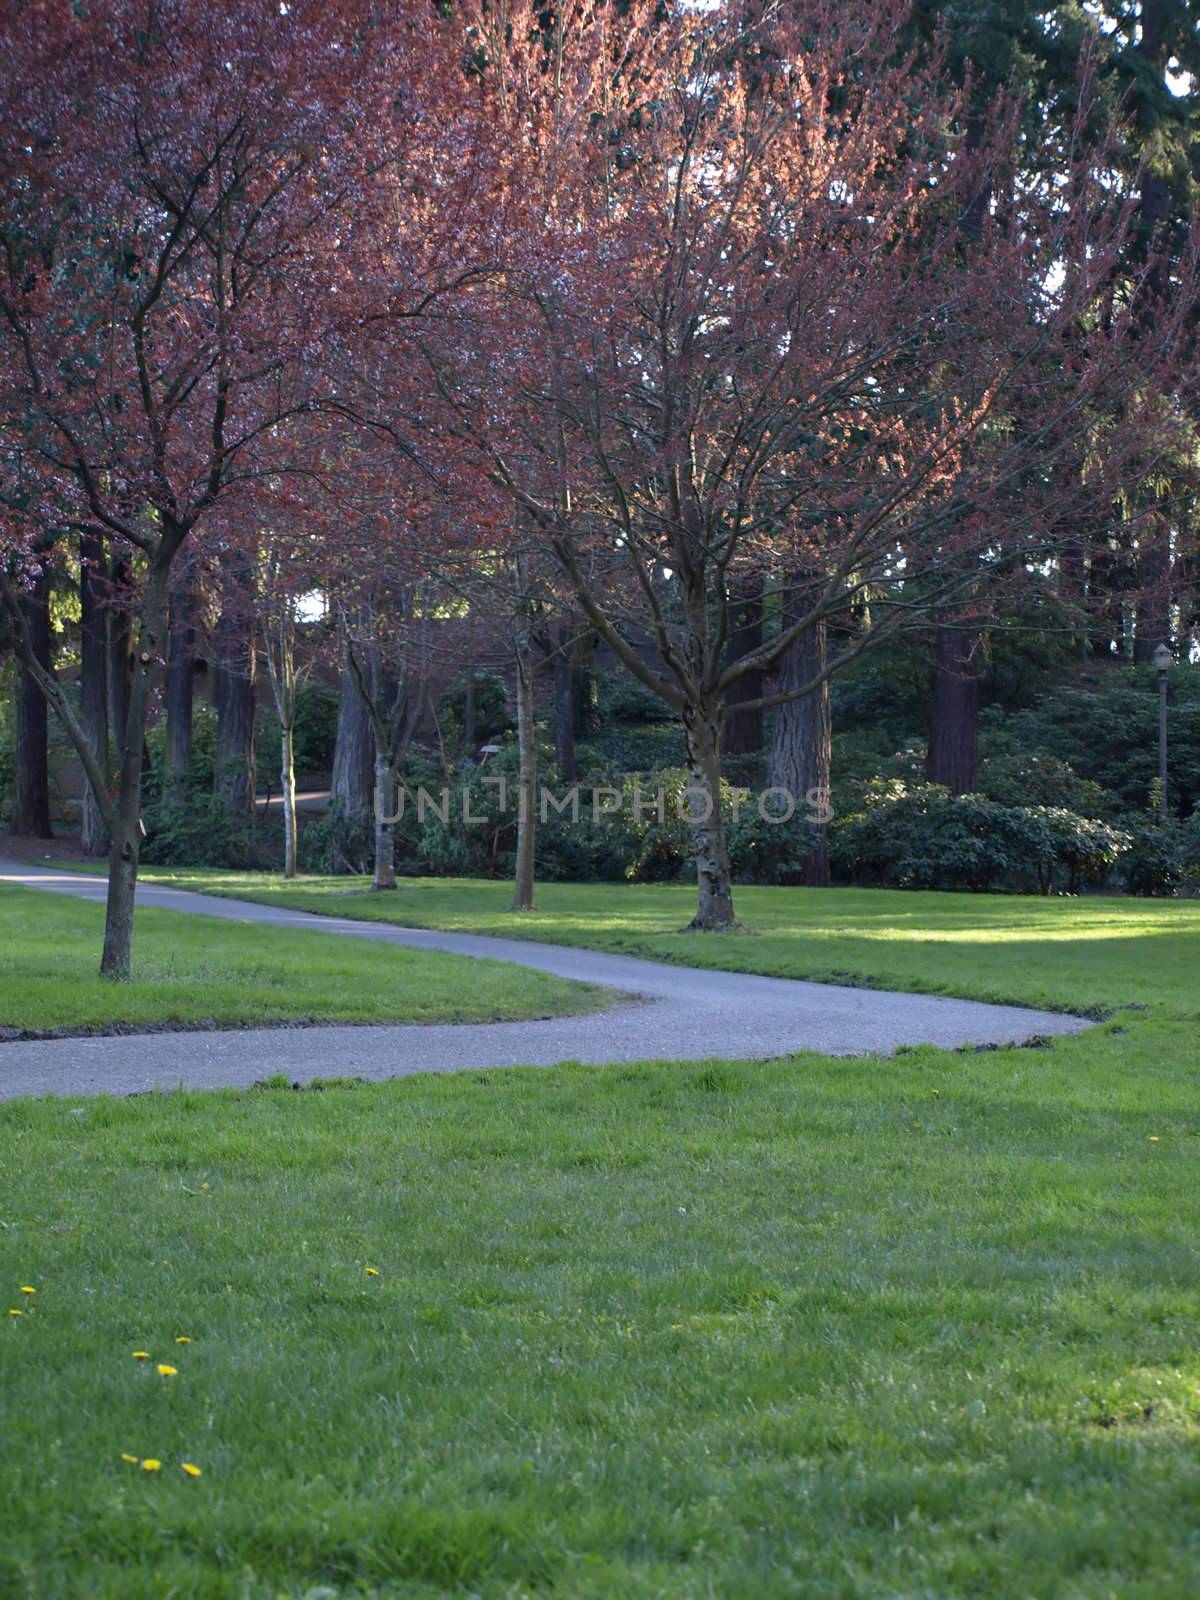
(199, 970)
(924, 1326)
(1059, 953)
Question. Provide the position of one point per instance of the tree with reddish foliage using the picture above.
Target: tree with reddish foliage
(200, 206)
(747, 333)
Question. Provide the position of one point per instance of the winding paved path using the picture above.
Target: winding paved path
(676, 1013)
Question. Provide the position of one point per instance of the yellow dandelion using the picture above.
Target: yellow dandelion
(165, 1371)
(150, 1464)
(191, 1470)
(140, 1355)
(132, 1460)
(372, 1272)
(15, 1313)
(182, 1338)
(27, 1288)
(1153, 1138)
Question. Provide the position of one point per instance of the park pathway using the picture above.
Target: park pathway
(673, 1013)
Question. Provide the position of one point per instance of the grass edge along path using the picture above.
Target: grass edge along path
(1084, 955)
(192, 971)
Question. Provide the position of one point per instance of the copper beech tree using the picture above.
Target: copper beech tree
(745, 333)
(192, 199)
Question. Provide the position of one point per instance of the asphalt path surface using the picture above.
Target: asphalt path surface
(671, 1013)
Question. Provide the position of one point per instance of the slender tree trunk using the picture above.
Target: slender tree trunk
(31, 790)
(119, 628)
(287, 781)
(93, 686)
(801, 747)
(714, 907)
(234, 679)
(180, 673)
(385, 832)
(353, 753)
(954, 720)
(125, 849)
(526, 778)
(564, 705)
(742, 734)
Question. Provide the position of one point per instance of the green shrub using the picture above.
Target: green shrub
(1164, 858)
(925, 838)
(1039, 778)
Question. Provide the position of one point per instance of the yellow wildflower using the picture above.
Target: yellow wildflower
(191, 1470)
(372, 1272)
(140, 1355)
(27, 1288)
(165, 1371)
(132, 1460)
(182, 1338)
(150, 1464)
(15, 1313)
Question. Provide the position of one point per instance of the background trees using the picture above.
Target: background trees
(737, 344)
(193, 195)
(822, 325)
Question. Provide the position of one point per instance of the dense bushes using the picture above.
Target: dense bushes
(924, 838)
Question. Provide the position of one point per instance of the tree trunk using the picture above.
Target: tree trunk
(714, 908)
(93, 686)
(742, 734)
(801, 746)
(287, 781)
(31, 789)
(564, 705)
(120, 650)
(234, 676)
(354, 750)
(116, 961)
(180, 672)
(954, 719)
(385, 833)
(526, 779)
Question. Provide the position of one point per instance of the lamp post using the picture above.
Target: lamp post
(1162, 660)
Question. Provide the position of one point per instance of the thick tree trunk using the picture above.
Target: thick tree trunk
(354, 750)
(180, 673)
(801, 745)
(954, 713)
(31, 789)
(742, 734)
(526, 779)
(287, 784)
(93, 686)
(116, 960)
(234, 676)
(714, 907)
(564, 705)
(385, 833)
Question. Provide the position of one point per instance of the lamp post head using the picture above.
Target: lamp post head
(1162, 657)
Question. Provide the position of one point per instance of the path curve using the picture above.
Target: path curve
(693, 1014)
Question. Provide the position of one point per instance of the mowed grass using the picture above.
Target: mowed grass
(195, 971)
(809, 1328)
(923, 1326)
(1078, 955)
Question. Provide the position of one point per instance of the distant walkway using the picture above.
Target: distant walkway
(691, 1014)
